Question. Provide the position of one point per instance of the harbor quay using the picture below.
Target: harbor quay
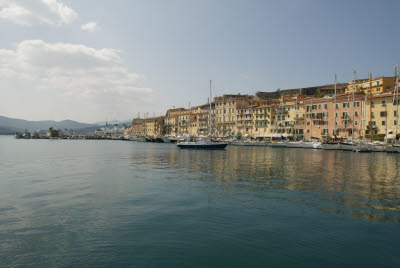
(360, 109)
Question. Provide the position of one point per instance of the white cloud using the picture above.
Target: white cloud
(90, 27)
(29, 12)
(81, 73)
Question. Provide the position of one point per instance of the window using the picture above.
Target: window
(383, 103)
(395, 122)
(383, 123)
(357, 104)
(308, 123)
(372, 104)
(345, 105)
(319, 106)
(325, 106)
(336, 114)
(378, 89)
(395, 113)
(314, 107)
(383, 114)
(337, 105)
(356, 113)
(356, 123)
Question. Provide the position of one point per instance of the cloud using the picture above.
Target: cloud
(81, 73)
(29, 12)
(90, 27)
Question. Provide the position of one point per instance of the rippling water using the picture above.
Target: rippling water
(116, 204)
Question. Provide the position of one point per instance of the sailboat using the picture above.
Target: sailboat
(203, 144)
(350, 146)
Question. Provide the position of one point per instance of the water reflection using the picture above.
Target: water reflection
(361, 185)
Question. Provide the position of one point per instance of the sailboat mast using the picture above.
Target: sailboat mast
(370, 110)
(354, 89)
(189, 120)
(334, 132)
(295, 119)
(179, 122)
(397, 98)
(210, 127)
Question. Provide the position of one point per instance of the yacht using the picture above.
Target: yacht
(203, 144)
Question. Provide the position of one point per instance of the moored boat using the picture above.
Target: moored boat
(201, 144)
(393, 148)
(294, 144)
(279, 144)
(308, 145)
(363, 147)
(331, 146)
(347, 146)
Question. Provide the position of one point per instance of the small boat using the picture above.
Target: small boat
(279, 144)
(173, 139)
(294, 144)
(165, 140)
(19, 135)
(347, 146)
(201, 144)
(363, 147)
(248, 143)
(318, 145)
(393, 148)
(35, 135)
(331, 145)
(377, 147)
(27, 135)
(308, 145)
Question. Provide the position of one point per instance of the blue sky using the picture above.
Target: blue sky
(147, 56)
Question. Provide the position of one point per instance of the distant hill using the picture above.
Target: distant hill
(6, 131)
(11, 124)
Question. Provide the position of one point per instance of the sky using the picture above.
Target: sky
(93, 60)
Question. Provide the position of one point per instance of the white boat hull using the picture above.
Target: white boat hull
(377, 148)
(308, 145)
(278, 144)
(330, 146)
(392, 149)
(347, 147)
(294, 145)
(363, 148)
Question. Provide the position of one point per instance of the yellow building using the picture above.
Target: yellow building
(154, 126)
(203, 120)
(171, 121)
(379, 85)
(225, 111)
(261, 120)
(287, 117)
(384, 114)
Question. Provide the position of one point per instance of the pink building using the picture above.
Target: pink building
(320, 116)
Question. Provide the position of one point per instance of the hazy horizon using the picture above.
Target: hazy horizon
(90, 60)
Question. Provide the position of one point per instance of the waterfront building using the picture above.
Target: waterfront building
(323, 119)
(154, 126)
(203, 120)
(287, 117)
(379, 85)
(225, 108)
(383, 114)
(261, 120)
(171, 121)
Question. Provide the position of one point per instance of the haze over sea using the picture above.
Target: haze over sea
(67, 203)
